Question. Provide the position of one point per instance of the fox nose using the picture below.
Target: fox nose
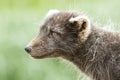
(28, 49)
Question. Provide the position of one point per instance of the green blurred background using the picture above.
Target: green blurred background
(19, 23)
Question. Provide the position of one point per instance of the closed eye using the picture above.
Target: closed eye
(54, 33)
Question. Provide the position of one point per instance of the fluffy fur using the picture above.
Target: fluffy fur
(71, 35)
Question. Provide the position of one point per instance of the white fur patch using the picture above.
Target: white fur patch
(52, 12)
(79, 18)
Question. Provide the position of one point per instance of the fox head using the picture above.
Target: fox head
(60, 35)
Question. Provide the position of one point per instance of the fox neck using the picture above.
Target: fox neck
(86, 57)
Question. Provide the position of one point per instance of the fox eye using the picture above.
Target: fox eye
(53, 33)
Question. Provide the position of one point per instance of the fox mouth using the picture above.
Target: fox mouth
(50, 55)
(41, 56)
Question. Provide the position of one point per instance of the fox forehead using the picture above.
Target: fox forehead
(58, 18)
(52, 12)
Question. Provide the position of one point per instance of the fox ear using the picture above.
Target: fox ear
(83, 25)
(81, 21)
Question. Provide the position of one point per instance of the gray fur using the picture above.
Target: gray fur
(98, 55)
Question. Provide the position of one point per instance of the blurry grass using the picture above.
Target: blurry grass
(19, 23)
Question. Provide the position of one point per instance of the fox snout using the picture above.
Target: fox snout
(28, 49)
(32, 44)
